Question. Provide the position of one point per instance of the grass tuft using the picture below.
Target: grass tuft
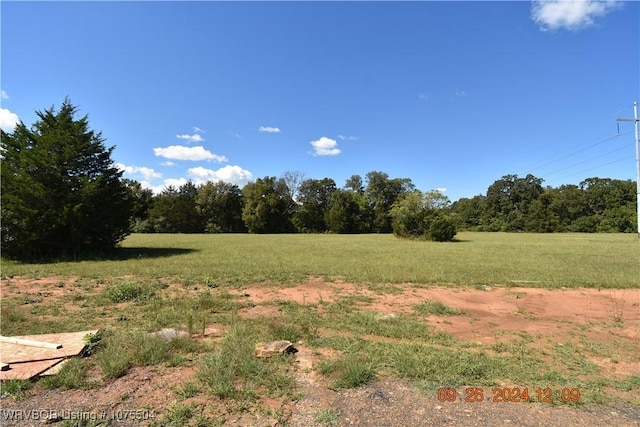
(328, 416)
(73, 375)
(350, 371)
(129, 291)
(436, 307)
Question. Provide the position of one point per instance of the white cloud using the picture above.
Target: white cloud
(168, 163)
(180, 152)
(441, 189)
(423, 97)
(325, 147)
(147, 174)
(199, 175)
(173, 182)
(269, 129)
(347, 138)
(570, 14)
(8, 120)
(460, 93)
(3, 95)
(191, 138)
(196, 129)
(231, 174)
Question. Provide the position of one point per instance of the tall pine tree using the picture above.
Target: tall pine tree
(61, 194)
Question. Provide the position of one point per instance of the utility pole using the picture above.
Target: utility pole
(635, 119)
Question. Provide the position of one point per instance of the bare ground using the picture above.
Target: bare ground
(495, 315)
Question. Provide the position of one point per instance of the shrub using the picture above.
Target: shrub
(442, 229)
(422, 216)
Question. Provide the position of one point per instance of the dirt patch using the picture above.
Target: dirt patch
(490, 315)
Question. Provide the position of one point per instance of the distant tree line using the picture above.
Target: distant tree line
(380, 204)
(523, 204)
(288, 204)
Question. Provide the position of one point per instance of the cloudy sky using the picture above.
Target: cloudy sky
(450, 94)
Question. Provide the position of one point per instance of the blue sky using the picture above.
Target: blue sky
(453, 95)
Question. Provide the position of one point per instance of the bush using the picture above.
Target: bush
(423, 216)
(442, 229)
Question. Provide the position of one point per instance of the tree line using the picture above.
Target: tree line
(380, 204)
(62, 195)
(292, 204)
(522, 204)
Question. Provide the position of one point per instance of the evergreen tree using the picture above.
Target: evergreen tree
(61, 193)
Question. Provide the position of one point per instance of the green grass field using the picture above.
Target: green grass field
(189, 281)
(534, 260)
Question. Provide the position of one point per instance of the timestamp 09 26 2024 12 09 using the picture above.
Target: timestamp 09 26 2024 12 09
(509, 395)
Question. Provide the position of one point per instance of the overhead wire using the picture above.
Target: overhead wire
(579, 151)
(587, 160)
(596, 167)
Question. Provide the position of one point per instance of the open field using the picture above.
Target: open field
(380, 325)
(537, 260)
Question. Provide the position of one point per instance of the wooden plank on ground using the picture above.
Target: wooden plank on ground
(30, 343)
(27, 370)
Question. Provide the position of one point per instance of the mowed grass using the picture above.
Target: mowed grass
(519, 259)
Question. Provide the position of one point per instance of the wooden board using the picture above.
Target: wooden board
(26, 362)
(32, 343)
(27, 370)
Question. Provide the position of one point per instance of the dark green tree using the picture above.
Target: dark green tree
(468, 212)
(344, 214)
(61, 193)
(220, 205)
(540, 218)
(313, 204)
(508, 201)
(142, 202)
(174, 210)
(354, 183)
(266, 207)
(568, 204)
(163, 216)
(382, 193)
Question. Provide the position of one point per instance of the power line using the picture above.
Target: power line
(579, 151)
(572, 153)
(587, 160)
(595, 167)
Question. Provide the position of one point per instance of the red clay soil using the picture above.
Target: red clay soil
(493, 314)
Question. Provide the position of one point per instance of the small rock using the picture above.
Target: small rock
(169, 334)
(273, 348)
